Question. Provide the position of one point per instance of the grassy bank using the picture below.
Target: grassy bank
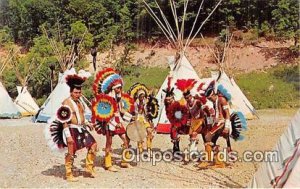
(279, 87)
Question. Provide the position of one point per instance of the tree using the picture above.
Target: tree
(80, 31)
(286, 19)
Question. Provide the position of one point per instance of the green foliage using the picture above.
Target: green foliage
(5, 35)
(286, 18)
(123, 62)
(266, 30)
(80, 31)
(277, 88)
(87, 88)
(9, 80)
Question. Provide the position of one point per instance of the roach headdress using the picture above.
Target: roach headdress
(185, 85)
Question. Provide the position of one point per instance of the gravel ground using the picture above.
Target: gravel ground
(26, 160)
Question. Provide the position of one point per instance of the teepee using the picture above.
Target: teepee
(7, 108)
(24, 101)
(283, 170)
(180, 67)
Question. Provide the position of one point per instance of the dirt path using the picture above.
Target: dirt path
(26, 161)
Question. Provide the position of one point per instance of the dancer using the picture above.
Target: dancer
(177, 114)
(70, 129)
(108, 86)
(146, 109)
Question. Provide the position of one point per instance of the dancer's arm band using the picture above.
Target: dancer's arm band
(227, 123)
(225, 107)
(67, 132)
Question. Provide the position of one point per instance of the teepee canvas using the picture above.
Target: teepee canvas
(7, 108)
(25, 103)
(283, 170)
(55, 99)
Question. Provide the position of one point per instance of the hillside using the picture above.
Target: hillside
(243, 58)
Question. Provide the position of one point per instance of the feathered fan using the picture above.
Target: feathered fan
(238, 124)
(128, 103)
(54, 136)
(100, 84)
(177, 114)
(103, 108)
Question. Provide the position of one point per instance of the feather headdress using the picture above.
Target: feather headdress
(138, 89)
(105, 80)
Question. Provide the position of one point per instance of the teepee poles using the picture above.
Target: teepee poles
(54, 47)
(173, 36)
(160, 24)
(202, 24)
(210, 49)
(181, 34)
(7, 60)
(174, 12)
(165, 26)
(195, 21)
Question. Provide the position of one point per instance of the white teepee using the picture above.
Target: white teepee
(7, 108)
(239, 101)
(55, 99)
(25, 103)
(283, 170)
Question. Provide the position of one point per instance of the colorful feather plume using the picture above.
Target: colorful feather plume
(110, 81)
(201, 86)
(210, 88)
(75, 80)
(101, 79)
(169, 83)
